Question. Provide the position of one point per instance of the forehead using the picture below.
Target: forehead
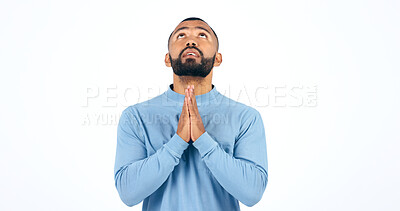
(193, 24)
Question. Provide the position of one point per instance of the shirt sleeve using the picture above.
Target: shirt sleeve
(245, 173)
(137, 175)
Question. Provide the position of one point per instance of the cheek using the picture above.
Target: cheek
(174, 53)
(175, 49)
(210, 53)
(208, 49)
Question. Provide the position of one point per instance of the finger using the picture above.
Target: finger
(187, 94)
(194, 102)
(194, 97)
(185, 108)
(190, 104)
(193, 112)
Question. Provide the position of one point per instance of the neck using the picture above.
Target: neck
(201, 85)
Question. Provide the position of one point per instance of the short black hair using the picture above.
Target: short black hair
(196, 19)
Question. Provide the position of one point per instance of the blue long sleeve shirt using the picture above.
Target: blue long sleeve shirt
(226, 164)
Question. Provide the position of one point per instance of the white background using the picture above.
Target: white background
(340, 153)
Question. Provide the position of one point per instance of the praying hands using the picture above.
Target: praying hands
(190, 125)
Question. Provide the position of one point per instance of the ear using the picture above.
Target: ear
(167, 60)
(218, 60)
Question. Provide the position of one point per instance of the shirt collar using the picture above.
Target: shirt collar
(206, 98)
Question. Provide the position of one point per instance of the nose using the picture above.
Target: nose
(191, 43)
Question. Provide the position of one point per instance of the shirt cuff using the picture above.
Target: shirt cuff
(204, 144)
(176, 145)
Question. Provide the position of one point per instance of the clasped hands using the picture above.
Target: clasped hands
(190, 125)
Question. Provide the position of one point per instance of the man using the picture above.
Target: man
(191, 148)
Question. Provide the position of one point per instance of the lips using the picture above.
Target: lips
(190, 53)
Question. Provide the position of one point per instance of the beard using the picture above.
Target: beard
(191, 67)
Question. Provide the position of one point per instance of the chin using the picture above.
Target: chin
(191, 60)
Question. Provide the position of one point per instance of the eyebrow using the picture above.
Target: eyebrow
(197, 27)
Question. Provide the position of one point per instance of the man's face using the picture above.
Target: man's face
(192, 49)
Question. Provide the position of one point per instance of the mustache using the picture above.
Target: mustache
(201, 53)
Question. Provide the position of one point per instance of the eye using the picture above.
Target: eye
(203, 35)
(180, 36)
